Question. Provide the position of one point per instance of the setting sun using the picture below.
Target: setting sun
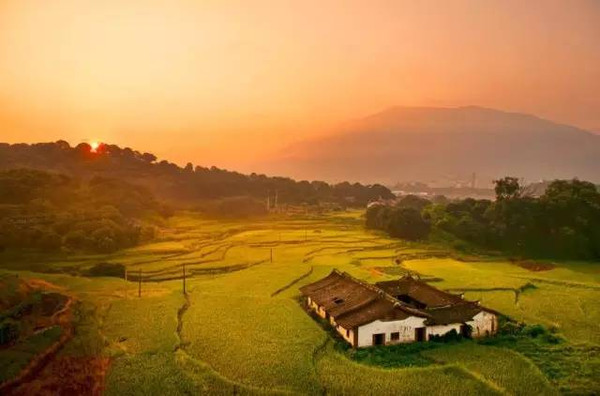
(95, 146)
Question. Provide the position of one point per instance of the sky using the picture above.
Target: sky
(228, 83)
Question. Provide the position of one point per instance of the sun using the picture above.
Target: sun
(95, 146)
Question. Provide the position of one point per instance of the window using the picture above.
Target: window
(348, 333)
(396, 336)
(338, 300)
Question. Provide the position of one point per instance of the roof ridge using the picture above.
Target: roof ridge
(421, 282)
(464, 302)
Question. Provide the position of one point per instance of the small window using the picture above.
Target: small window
(348, 333)
(338, 300)
(396, 336)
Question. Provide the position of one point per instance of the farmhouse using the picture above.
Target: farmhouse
(403, 310)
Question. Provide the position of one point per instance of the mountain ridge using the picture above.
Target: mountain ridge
(445, 143)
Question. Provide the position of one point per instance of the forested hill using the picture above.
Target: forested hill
(53, 212)
(176, 184)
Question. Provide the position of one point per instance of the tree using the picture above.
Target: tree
(507, 188)
(50, 241)
(149, 158)
(414, 202)
(407, 223)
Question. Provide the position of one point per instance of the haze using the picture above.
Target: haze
(229, 82)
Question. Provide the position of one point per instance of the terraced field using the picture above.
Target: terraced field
(240, 328)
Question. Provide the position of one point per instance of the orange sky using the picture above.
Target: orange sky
(224, 82)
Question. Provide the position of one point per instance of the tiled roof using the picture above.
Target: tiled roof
(420, 291)
(457, 313)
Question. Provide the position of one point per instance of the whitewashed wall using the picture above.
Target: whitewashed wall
(315, 307)
(405, 327)
(483, 324)
(347, 334)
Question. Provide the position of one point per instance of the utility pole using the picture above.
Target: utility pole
(271, 254)
(140, 284)
(276, 200)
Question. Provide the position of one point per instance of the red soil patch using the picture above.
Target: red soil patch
(51, 372)
(36, 283)
(68, 376)
(535, 266)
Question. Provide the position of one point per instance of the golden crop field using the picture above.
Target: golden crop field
(241, 328)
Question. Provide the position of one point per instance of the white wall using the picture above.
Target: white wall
(484, 324)
(315, 307)
(405, 327)
(347, 334)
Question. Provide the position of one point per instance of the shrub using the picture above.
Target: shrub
(107, 269)
(534, 331)
(551, 339)
(508, 327)
(9, 331)
(451, 336)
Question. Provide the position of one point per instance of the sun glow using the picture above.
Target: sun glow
(95, 146)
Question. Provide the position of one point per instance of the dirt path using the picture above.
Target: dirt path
(180, 313)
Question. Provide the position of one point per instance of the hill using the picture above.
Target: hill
(179, 185)
(52, 212)
(443, 145)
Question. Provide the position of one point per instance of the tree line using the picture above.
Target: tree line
(563, 222)
(181, 185)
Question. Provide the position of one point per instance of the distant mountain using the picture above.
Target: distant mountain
(445, 144)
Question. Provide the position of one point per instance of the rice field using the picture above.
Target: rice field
(240, 329)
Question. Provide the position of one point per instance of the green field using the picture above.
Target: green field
(241, 329)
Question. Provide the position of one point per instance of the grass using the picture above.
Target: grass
(508, 370)
(244, 332)
(573, 369)
(338, 375)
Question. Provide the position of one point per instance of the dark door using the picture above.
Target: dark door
(379, 339)
(464, 330)
(420, 334)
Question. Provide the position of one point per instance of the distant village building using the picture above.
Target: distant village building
(382, 202)
(403, 310)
